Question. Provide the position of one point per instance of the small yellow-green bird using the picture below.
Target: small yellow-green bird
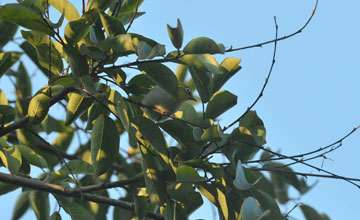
(163, 104)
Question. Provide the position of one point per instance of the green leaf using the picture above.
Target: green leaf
(31, 52)
(76, 30)
(121, 44)
(118, 107)
(42, 43)
(222, 202)
(11, 158)
(22, 204)
(76, 167)
(76, 106)
(78, 63)
(240, 181)
(181, 72)
(228, 68)
(188, 174)
(202, 45)
(203, 62)
(176, 34)
(155, 183)
(152, 133)
(7, 187)
(185, 193)
(23, 82)
(98, 4)
(7, 114)
(7, 59)
(141, 206)
(162, 75)
(75, 210)
(202, 82)
(38, 108)
(35, 5)
(213, 133)
(7, 33)
(219, 103)
(62, 5)
(40, 204)
(140, 84)
(24, 17)
(128, 10)
(31, 156)
(311, 214)
(251, 210)
(112, 25)
(104, 144)
(64, 81)
(147, 48)
(269, 203)
(55, 216)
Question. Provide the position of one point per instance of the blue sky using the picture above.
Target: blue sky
(312, 96)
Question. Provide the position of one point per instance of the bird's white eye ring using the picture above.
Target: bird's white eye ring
(187, 90)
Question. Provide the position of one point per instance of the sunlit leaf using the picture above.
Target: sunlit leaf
(104, 144)
(219, 103)
(202, 45)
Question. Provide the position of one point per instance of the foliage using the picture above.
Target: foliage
(102, 103)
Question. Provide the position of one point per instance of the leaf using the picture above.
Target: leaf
(3, 99)
(112, 25)
(147, 48)
(11, 158)
(141, 206)
(155, 184)
(162, 75)
(228, 68)
(43, 46)
(7, 59)
(38, 108)
(222, 202)
(22, 204)
(63, 5)
(240, 181)
(250, 210)
(140, 84)
(202, 62)
(119, 108)
(121, 44)
(78, 63)
(44, 58)
(55, 216)
(7, 114)
(104, 144)
(128, 10)
(76, 167)
(39, 201)
(76, 106)
(31, 156)
(311, 214)
(152, 133)
(24, 17)
(76, 30)
(188, 174)
(185, 193)
(7, 187)
(7, 33)
(31, 52)
(23, 82)
(64, 138)
(213, 133)
(202, 82)
(75, 210)
(219, 103)
(202, 45)
(176, 34)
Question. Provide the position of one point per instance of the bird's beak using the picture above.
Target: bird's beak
(192, 98)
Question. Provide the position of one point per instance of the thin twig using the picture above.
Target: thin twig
(278, 39)
(133, 17)
(266, 80)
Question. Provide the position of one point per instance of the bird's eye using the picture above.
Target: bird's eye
(187, 90)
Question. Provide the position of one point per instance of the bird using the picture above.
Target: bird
(159, 104)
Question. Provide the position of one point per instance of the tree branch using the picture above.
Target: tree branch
(70, 192)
